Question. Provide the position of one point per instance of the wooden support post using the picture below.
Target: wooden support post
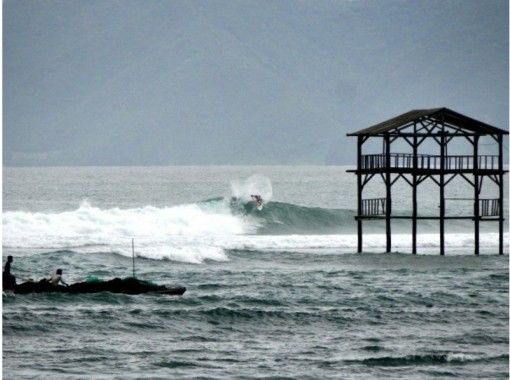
(477, 195)
(415, 184)
(388, 192)
(501, 212)
(360, 190)
(441, 196)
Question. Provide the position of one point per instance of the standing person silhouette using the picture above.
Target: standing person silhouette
(8, 280)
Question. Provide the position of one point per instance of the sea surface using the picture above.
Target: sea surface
(272, 293)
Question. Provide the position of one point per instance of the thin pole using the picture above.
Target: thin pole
(501, 215)
(133, 250)
(477, 197)
(441, 196)
(360, 190)
(388, 192)
(415, 184)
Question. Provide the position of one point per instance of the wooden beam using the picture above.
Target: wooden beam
(405, 178)
(454, 127)
(388, 193)
(467, 179)
(423, 127)
(360, 193)
(449, 138)
(409, 141)
(494, 179)
(430, 134)
(421, 140)
(480, 185)
(501, 192)
(367, 178)
(422, 178)
(477, 196)
(395, 179)
(414, 187)
(438, 183)
(428, 171)
(431, 123)
(487, 219)
(441, 196)
(401, 175)
(452, 177)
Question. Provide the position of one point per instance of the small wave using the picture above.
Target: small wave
(221, 314)
(176, 364)
(425, 359)
(373, 348)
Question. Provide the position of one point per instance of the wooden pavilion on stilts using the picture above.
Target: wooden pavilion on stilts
(439, 125)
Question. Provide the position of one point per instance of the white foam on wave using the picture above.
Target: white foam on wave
(255, 184)
(191, 233)
(348, 243)
(168, 250)
(153, 228)
(461, 357)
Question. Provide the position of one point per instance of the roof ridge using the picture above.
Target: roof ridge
(448, 115)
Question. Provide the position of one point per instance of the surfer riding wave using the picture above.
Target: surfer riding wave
(258, 200)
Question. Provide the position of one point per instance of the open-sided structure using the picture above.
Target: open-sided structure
(414, 127)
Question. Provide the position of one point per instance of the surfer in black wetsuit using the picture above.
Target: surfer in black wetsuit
(257, 198)
(8, 280)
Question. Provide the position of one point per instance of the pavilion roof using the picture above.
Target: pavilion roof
(435, 114)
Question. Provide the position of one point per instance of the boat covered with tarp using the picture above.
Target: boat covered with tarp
(129, 285)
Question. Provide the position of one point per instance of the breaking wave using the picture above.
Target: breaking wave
(207, 230)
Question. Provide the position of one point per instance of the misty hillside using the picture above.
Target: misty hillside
(222, 82)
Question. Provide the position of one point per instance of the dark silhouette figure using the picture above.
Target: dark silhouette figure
(8, 280)
(258, 200)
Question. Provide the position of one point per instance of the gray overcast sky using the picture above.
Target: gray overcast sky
(238, 82)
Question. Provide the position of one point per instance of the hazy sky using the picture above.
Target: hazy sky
(238, 82)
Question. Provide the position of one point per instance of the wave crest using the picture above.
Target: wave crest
(206, 230)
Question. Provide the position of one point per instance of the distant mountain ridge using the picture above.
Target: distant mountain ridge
(221, 82)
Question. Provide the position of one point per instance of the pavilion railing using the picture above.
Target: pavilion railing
(489, 207)
(427, 161)
(373, 206)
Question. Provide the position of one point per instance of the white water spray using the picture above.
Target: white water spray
(189, 233)
(253, 185)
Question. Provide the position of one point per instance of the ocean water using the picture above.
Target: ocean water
(271, 293)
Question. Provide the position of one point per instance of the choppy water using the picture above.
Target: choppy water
(272, 293)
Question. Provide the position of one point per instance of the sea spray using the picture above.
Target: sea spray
(253, 185)
(154, 228)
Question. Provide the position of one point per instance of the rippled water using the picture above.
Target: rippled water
(291, 304)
